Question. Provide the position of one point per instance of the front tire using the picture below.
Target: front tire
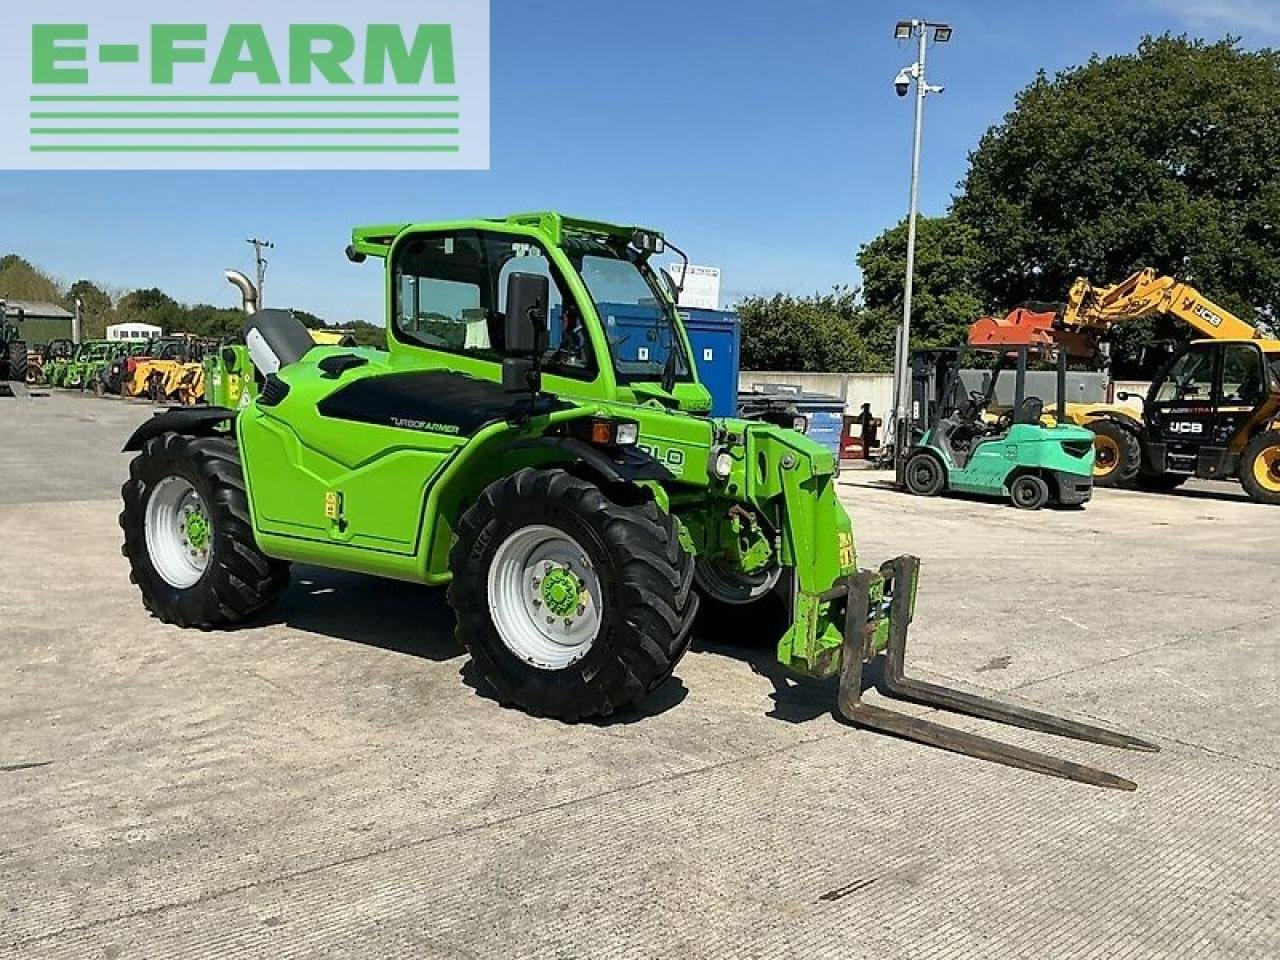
(571, 605)
(1117, 454)
(925, 475)
(1260, 468)
(188, 536)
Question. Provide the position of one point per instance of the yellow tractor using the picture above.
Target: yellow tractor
(1213, 410)
(169, 371)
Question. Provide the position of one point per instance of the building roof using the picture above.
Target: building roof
(38, 308)
(133, 325)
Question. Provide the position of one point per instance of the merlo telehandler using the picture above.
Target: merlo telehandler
(577, 504)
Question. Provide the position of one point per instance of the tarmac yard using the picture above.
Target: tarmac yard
(330, 782)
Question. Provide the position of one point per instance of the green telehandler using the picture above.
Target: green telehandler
(579, 505)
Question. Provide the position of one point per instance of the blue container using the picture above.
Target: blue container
(713, 335)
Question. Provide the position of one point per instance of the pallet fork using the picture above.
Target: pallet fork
(899, 579)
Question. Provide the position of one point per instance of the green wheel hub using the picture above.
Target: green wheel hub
(196, 527)
(560, 591)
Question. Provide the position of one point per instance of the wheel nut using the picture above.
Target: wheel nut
(582, 608)
(568, 621)
(537, 602)
(551, 620)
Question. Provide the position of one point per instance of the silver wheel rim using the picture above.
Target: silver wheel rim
(175, 515)
(544, 597)
(733, 586)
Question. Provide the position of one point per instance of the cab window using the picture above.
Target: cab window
(1190, 378)
(450, 292)
(1244, 378)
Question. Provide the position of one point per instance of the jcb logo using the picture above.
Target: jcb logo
(1186, 428)
(1207, 315)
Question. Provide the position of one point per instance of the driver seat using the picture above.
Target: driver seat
(1030, 411)
(275, 338)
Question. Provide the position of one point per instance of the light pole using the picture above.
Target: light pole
(906, 30)
(261, 262)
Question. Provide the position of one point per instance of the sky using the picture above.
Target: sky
(763, 137)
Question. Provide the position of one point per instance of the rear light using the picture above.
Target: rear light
(131, 364)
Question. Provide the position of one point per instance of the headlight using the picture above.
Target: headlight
(800, 424)
(627, 434)
(722, 464)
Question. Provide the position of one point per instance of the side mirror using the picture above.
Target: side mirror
(526, 321)
(525, 332)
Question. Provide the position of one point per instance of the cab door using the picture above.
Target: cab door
(1243, 387)
(1181, 408)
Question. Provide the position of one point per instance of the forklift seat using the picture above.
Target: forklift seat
(1030, 411)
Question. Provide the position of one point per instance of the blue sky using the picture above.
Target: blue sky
(763, 136)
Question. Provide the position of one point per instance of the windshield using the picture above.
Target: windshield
(638, 322)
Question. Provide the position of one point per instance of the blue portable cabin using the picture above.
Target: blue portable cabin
(714, 337)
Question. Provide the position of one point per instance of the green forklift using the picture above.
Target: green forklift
(963, 440)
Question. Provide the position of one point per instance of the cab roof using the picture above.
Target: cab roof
(376, 240)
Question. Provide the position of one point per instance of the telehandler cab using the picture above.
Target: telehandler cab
(578, 504)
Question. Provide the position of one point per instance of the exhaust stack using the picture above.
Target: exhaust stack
(248, 292)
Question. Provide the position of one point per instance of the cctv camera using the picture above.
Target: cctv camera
(903, 83)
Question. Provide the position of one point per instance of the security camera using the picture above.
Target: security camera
(903, 83)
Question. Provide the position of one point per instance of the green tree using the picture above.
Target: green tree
(1166, 158)
(946, 298)
(19, 280)
(96, 309)
(823, 332)
(153, 306)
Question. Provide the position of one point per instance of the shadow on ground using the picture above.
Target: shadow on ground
(409, 619)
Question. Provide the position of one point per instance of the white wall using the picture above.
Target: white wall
(873, 388)
(856, 388)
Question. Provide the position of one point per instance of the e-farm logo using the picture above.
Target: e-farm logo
(397, 85)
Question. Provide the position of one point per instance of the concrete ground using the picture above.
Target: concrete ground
(329, 782)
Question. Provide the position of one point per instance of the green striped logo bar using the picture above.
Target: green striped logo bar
(401, 86)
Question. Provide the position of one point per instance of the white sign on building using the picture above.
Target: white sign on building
(701, 286)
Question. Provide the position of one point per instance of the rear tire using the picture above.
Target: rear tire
(634, 578)
(1260, 468)
(925, 475)
(231, 579)
(1029, 492)
(1118, 453)
(15, 361)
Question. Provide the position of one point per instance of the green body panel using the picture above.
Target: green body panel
(386, 500)
(229, 384)
(89, 359)
(1025, 448)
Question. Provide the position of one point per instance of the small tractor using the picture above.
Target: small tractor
(579, 505)
(168, 365)
(13, 349)
(57, 351)
(959, 443)
(1212, 412)
(78, 371)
